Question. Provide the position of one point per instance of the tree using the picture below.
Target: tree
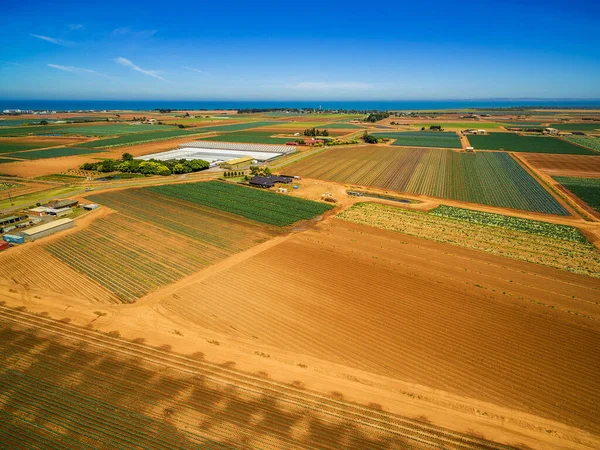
(44, 122)
(127, 157)
(266, 171)
(254, 170)
(108, 165)
(181, 126)
(179, 168)
(369, 139)
(325, 133)
(422, 128)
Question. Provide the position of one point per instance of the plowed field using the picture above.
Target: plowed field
(482, 326)
(567, 165)
(65, 388)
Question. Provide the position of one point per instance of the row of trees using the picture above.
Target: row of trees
(152, 167)
(234, 173)
(260, 171)
(312, 132)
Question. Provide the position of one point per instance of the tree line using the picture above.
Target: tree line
(152, 167)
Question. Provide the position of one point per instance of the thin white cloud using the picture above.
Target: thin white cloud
(128, 32)
(75, 26)
(338, 86)
(195, 70)
(127, 63)
(51, 39)
(77, 70)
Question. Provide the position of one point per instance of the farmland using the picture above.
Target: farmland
(108, 129)
(239, 126)
(568, 165)
(140, 138)
(590, 127)
(152, 242)
(483, 177)
(586, 141)
(10, 145)
(555, 231)
(518, 143)
(52, 153)
(63, 387)
(422, 138)
(463, 321)
(255, 137)
(587, 189)
(552, 245)
(263, 206)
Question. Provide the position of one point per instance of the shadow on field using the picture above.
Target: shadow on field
(62, 391)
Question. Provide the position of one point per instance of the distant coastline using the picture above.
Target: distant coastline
(405, 105)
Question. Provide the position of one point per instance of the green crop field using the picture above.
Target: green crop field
(551, 230)
(11, 147)
(104, 129)
(262, 206)
(341, 126)
(587, 126)
(587, 141)
(587, 189)
(489, 178)
(256, 137)
(52, 153)
(422, 138)
(238, 126)
(523, 124)
(530, 144)
(140, 138)
(459, 125)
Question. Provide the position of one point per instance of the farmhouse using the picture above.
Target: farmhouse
(38, 211)
(268, 182)
(47, 229)
(552, 131)
(90, 207)
(238, 163)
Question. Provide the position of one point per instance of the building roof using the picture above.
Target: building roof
(39, 209)
(12, 218)
(46, 226)
(62, 203)
(262, 181)
(240, 160)
(57, 210)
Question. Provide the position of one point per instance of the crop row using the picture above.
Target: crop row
(52, 153)
(262, 206)
(422, 139)
(491, 178)
(586, 141)
(216, 403)
(551, 230)
(565, 254)
(518, 143)
(587, 189)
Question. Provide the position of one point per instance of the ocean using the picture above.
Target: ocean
(404, 105)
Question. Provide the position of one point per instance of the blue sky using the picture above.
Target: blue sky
(299, 50)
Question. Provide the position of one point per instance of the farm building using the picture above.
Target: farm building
(469, 149)
(47, 229)
(38, 211)
(4, 221)
(59, 212)
(4, 245)
(90, 207)
(552, 131)
(65, 203)
(268, 182)
(238, 163)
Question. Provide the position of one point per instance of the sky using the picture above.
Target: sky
(279, 50)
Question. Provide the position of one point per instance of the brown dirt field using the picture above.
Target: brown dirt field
(36, 168)
(426, 313)
(46, 141)
(565, 165)
(25, 188)
(186, 402)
